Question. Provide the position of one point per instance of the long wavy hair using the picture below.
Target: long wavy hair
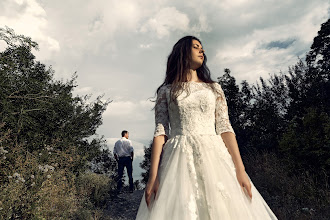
(178, 68)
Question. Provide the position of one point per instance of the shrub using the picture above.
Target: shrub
(289, 195)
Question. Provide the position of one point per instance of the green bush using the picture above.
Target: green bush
(47, 138)
(32, 187)
(95, 187)
(42, 185)
(290, 195)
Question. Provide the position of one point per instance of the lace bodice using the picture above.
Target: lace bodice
(201, 112)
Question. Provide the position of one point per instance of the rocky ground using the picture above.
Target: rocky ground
(124, 206)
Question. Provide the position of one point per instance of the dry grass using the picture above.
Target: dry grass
(42, 185)
(290, 195)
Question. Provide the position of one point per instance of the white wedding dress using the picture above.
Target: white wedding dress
(196, 173)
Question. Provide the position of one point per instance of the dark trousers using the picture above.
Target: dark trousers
(122, 163)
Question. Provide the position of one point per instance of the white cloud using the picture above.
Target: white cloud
(3, 45)
(145, 46)
(129, 109)
(133, 116)
(83, 90)
(53, 45)
(119, 48)
(138, 148)
(108, 19)
(27, 17)
(233, 4)
(202, 25)
(33, 8)
(165, 21)
(247, 56)
(121, 109)
(121, 14)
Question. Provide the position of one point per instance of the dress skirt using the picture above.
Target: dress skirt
(198, 181)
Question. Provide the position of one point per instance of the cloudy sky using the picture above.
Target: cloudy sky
(119, 47)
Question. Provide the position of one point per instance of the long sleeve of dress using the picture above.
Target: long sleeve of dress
(161, 113)
(222, 123)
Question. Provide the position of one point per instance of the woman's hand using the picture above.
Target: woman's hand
(244, 181)
(152, 187)
(153, 182)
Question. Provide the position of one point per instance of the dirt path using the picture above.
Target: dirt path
(124, 206)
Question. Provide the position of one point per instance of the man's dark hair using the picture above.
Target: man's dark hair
(123, 133)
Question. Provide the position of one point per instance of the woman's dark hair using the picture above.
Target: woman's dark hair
(178, 66)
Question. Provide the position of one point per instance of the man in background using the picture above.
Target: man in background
(124, 154)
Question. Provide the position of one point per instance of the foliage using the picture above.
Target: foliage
(307, 142)
(256, 112)
(319, 55)
(145, 164)
(290, 195)
(137, 185)
(42, 185)
(47, 140)
(93, 188)
(104, 163)
(8, 35)
(39, 110)
(37, 184)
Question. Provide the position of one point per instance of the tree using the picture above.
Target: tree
(256, 113)
(238, 105)
(307, 143)
(228, 84)
(104, 163)
(41, 111)
(319, 55)
(306, 140)
(145, 164)
(47, 138)
(318, 75)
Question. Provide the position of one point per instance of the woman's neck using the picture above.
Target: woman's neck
(192, 76)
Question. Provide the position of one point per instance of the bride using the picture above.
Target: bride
(196, 169)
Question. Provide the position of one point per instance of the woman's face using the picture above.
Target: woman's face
(197, 55)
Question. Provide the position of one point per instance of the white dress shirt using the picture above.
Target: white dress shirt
(123, 148)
